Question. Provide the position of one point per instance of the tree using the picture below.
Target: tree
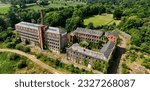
(54, 19)
(84, 44)
(90, 25)
(22, 64)
(73, 23)
(128, 23)
(42, 2)
(12, 17)
(117, 14)
(2, 24)
(145, 47)
(78, 13)
(85, 62)
(99, 65)
(13, 56)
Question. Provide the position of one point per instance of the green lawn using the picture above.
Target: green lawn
(4, 8)
(99, 20)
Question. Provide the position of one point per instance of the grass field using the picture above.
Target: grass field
(53, 5)
(99, 20)
(4, 8)
(10, 66)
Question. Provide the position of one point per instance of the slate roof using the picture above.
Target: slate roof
(77, 48)
(89, 32)
(35, 26)
(104, 53)
(29, 25)
(107, 49)
(55, 30)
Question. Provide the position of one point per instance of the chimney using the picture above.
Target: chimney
(41, 30)
(42, 17)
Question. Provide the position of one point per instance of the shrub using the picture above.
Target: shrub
(19, 46)
(39, 55)
(26, 49)
(10, 45)
(13, 56)
(146, 63)
(22, 48)
(22, 64)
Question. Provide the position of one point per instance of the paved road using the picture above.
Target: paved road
(33, 59)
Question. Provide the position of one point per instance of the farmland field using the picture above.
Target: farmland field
(99, 20)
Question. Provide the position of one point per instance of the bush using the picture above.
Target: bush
(146, 63)
(13, 56)
(26, 49)
(19, 46)
(10, 45)
(39, 55)
(22, 64)
(22, 48)
(125, 69)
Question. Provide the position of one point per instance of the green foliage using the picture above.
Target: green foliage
(77, 13)
(100, 65)
(125, 69)
(84, 44)
(10, 45)
(73, 23)
(42, 2)
(146, 63)
(22, 48)
(14, 57)
(85, 62)
(2, 24)
(90, 25)
(6, 36)
(130, 22)
(60, 65)
(117, 14)
(53, 19)
(22, 64)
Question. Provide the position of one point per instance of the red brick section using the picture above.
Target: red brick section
(112, 38)
(41, 30)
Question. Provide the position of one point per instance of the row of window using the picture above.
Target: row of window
(28, 37)
(52, 43)
(26, 29)
(93, 40)
(86, 35)
(53, 47)
(23, 37)
(27, 33)
(52, 39)
(52, 35)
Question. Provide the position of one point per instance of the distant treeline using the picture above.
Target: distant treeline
(15, 1)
